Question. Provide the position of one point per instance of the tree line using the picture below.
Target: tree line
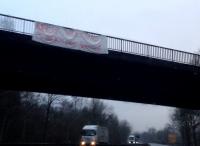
(187, 124)
(34, 118)
(184, 124)
(27, 117)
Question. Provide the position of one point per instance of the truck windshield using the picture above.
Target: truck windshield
(88, 132)
(131, 138)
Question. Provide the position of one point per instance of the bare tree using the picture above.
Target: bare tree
(77, 101)
(187, 121)
(9, 107)
(27, 117)
(98, 108)
(29, 101)
(51, 98)
(125, 130)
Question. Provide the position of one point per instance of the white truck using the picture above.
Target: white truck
(132, 139)
(94, 134)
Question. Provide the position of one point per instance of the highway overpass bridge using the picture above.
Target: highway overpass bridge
(132, 71)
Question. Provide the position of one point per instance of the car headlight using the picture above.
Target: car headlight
(93, 143)
(82, 142)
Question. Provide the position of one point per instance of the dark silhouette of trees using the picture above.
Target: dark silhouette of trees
(188, 124)
(9, 112)
(51, 98)
(27, 117)
(157, 136)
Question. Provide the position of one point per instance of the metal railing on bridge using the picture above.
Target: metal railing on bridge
(25, 26)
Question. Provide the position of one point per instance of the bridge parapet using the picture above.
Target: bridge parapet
(26, 26)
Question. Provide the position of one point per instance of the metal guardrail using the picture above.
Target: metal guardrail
(25, 26)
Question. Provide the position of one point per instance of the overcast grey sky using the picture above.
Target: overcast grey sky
(169, 23)
(142, 116)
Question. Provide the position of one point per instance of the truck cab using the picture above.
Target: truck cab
(94, 134)
(132, 139)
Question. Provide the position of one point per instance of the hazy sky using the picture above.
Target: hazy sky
(142, 116)
(169, 23)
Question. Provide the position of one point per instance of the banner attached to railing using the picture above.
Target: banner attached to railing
(70, 38)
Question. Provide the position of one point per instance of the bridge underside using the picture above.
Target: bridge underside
(30, 66)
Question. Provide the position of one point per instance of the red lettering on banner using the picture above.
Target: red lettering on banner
(70, 43)
(90, 47)
(69, 38)
(50, 38)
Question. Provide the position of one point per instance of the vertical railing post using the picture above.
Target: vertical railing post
(196, 60)
(23, 26)
(121, 45)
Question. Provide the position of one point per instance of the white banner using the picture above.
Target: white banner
(69, 38)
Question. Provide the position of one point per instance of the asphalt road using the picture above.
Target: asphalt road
(153, 144)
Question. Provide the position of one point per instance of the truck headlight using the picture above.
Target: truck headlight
(93, 143)
(82, 142)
